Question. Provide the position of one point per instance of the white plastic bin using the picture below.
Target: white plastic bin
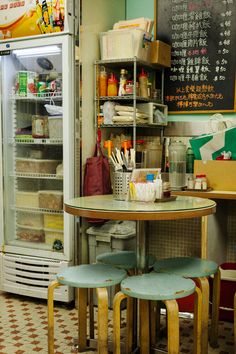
(106, 238)
(55, 127)
(124, 44)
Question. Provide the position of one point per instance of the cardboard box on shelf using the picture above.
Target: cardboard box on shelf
(160, 53)
(220, 174)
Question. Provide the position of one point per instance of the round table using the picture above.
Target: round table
(106, 207)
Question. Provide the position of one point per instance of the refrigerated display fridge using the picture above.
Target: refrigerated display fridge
(37, 163)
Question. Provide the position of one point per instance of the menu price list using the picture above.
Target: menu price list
(202, 34)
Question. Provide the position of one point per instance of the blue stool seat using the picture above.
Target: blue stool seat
(122, 259)
(198, 269)
(189, 267)
(156, 287)
(84, 277)
(91, 276)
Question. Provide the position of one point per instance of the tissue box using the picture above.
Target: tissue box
(160, 53)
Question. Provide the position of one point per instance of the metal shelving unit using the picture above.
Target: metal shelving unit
(134, 64)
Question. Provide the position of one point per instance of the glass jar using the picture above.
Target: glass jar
(177, 164)
(40, 126)
(166, 190)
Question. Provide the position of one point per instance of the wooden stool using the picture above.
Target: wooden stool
(123, 259)
(198, 269)
(84, 277)
(157, 287)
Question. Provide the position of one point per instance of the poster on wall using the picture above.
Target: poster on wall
(24, 18)
(202, 34)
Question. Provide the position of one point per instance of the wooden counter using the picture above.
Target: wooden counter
(214, 194)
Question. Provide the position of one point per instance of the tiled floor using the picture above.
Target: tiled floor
(23, 328)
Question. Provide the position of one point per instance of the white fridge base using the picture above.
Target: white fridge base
(30, 276)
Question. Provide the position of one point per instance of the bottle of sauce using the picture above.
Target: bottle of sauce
(103, 82)
(112, 86)
(122, 83)
(143, 84)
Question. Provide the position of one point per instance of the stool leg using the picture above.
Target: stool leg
(91, 315)
(204, 286)
(102, 296)
(197, 320)
(172, 309)
(144, 327)
(153, 321)
(116, 320)
(129, 324)
(215, 310)
(54, 284)
(82, 318)
(235, 323)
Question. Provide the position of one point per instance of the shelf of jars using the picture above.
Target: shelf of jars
(144, 125)
(45, 96)
(37, 175)
(38, 210)
(31, 141)
(128, 62)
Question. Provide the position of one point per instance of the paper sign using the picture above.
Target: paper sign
(30, 17)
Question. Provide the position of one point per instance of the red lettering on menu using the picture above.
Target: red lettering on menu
(193, 6)
(3, 7)
(17, 4)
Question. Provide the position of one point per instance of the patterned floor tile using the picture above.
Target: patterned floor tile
(23, 328)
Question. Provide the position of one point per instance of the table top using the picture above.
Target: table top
(106, 207)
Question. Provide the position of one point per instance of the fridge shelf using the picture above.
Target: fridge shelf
(37, 175)
(46, 96)
(32, 141)
(39, 210)
(36, 245)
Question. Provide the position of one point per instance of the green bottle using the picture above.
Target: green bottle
(189, 160)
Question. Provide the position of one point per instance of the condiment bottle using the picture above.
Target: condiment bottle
(122, 84)
(198, 182)
(143, 84)
(204, 182)
(112, 86)
(103, 82)
(189, 160)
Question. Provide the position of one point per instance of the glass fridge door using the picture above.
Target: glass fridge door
(33, 109)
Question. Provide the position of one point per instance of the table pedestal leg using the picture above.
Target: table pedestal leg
(142, 246)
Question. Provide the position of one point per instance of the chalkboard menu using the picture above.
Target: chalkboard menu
(202, 34)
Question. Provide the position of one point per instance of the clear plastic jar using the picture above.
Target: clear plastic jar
(177, 164)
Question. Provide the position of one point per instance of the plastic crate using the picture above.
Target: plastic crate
(100, 242)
